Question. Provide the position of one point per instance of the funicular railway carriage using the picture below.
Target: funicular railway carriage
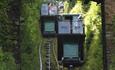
(69, 30)
(71, 37)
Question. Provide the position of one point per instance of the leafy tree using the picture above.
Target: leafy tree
(30, 37)
(92, 21)
(78, 8)
(7, 62)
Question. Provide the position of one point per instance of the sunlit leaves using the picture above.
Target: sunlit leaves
(78, 8)
(92, 18)
(92, 21)
(66, 7)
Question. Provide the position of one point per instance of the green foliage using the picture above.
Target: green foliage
(3, 10)
(92, 20)
(78, 8)
(31, 36)
(4, 21)
(94, 59)
(6, 61)
(93, 23)
(66, 7)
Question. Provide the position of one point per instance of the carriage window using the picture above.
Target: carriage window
(70, 50)
(49, 26)
(64, 27)
(44, 9)
(77, 27)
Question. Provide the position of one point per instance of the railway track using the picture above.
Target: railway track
(40, 56)
(50, 51)
(47, 48)
(48, 55)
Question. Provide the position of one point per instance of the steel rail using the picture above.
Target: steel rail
(40, 57)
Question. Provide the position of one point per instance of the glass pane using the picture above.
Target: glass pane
(52, 9)
(77, 27)
(64, 27)
(44, 9)
(49, 26)
(71, 50)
